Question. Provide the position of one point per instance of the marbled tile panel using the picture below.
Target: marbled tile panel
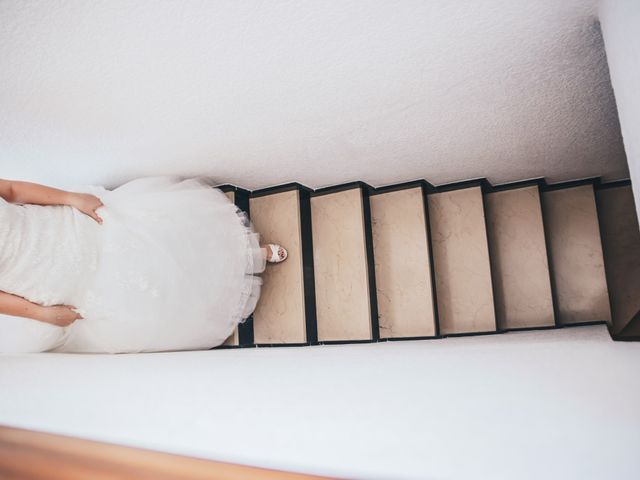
(279, 316)
(340, 262)
(621, 246)
(461, 260)
(401, 253)
(577, 263)
(519, 262)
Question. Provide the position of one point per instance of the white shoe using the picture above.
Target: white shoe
(275, 258)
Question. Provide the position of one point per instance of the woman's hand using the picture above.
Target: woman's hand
(87, 204)
(60, 315)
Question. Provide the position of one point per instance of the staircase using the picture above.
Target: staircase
(414, 261)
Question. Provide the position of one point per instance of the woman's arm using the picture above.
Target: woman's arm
(61, 315)
(27, 192)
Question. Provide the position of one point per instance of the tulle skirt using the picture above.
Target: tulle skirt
(177, 265)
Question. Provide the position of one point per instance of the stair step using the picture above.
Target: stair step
(461, 260)
(340, 257)
(577, 263)
(519, 261)
(621, 246)
(233, 339)
(279, 316)
(402, 264)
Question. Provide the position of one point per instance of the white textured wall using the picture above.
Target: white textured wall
(557, 404)
(621, 30)
(321, 92)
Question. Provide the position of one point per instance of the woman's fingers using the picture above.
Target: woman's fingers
(93, 214)
(96, 217)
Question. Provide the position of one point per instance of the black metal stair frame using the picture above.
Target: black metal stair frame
(242, 197)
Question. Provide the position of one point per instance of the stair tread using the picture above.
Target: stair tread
(576, 255)
(519, 260)
(279, 316)
(461, 260)
(340, 263)
(402, 264)
(234, 338)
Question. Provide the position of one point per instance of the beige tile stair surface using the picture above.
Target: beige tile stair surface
(279, 316)
(340, 264)
(402, 265)
(577, 263)
(500, 261)
(234, 338)
(621, 244)
(461, 260)
(519, 262)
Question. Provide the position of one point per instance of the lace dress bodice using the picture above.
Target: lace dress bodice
(46, 252)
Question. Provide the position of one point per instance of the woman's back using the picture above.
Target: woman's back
(47, 253)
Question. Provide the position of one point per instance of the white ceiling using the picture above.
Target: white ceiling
(320, 92)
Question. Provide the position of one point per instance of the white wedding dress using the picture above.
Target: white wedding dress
(172, 267)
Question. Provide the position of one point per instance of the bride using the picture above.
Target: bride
(159, 263)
